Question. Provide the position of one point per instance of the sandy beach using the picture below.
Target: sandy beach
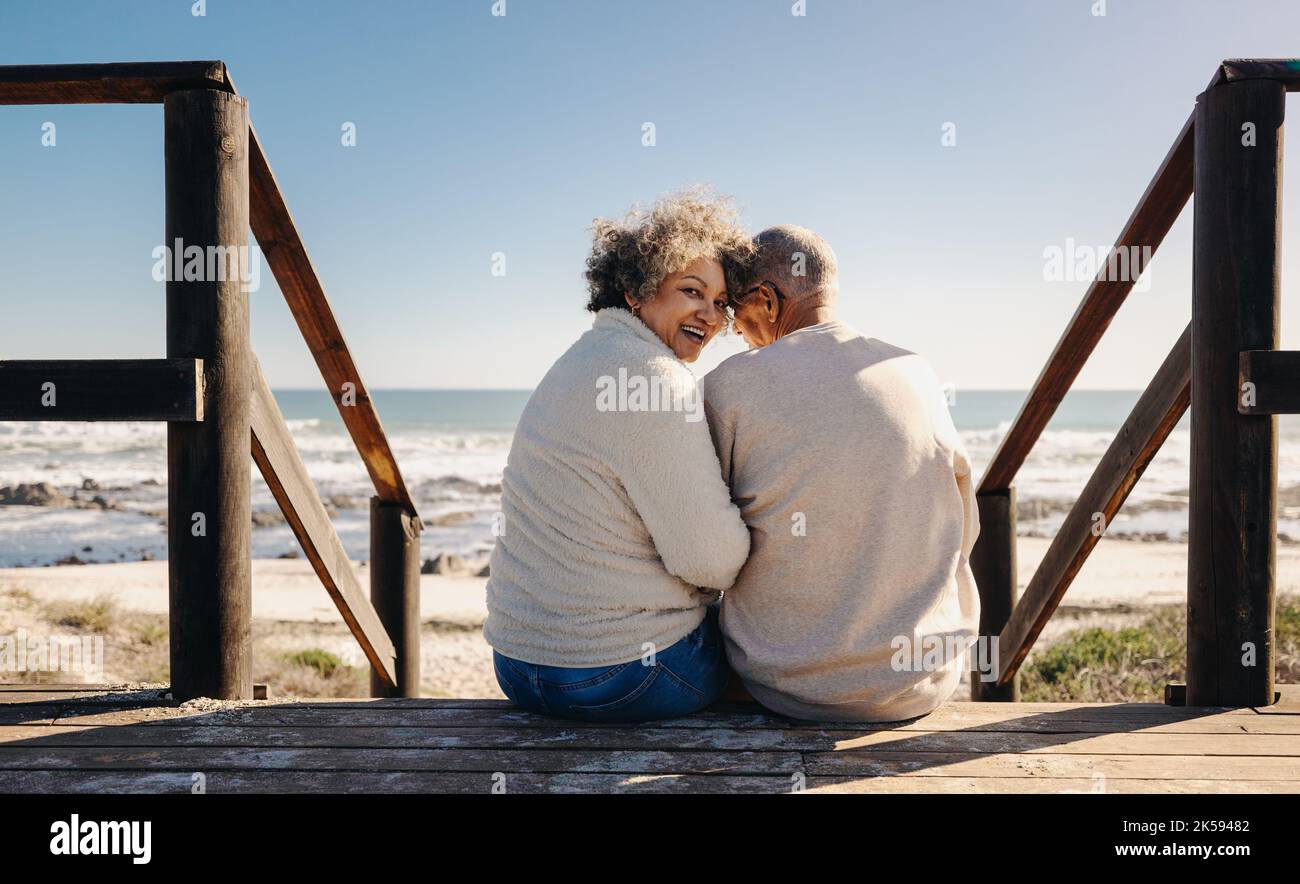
(293, 613)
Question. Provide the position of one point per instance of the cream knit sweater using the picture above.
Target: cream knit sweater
(613, 514)
(858, 600)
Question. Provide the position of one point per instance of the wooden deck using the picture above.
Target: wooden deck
(58, 739)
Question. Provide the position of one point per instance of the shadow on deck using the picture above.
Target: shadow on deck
(68, 738)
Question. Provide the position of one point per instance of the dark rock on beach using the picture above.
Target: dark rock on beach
(36, 494)
(45, 494)
(447, 564)
(453, 565)
(267, 518)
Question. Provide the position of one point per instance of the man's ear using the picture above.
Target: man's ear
(771, 307)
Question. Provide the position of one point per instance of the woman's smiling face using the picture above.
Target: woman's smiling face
(688, 308)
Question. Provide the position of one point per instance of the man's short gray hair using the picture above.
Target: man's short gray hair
(799, 261)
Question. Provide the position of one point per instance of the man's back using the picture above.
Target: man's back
(842, 456)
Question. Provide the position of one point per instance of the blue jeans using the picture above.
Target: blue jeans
(686, 676)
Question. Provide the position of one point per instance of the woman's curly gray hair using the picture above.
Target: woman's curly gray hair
(635, 253)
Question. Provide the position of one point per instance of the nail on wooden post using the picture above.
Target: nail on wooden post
(395, 592)
(205, 145)
(993, 562)
(1232, 517)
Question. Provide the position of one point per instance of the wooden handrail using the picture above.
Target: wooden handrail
(1157, 412)
(1155, 213)
(271, 222)
(395, 571)
(1284, 70)
(119, 83)
(277, 235)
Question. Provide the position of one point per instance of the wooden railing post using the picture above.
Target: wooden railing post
(208, 514)
(1232, 519)
(993, 562)
(395, 592)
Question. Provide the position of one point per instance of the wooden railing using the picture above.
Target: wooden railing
(1229, 151)
(213, 395)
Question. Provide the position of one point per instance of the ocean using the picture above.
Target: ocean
(452, 447)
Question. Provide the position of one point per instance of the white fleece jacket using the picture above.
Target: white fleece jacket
(614, 510)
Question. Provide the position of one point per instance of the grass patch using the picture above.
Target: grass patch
(1135, 663)
(96, 615)
(314, 672)
(149, 632)
(20, 594)
(325, 663)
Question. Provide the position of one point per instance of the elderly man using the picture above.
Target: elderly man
(857, 602)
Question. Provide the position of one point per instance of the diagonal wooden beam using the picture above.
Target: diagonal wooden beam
(101, 389)
(1155, 213)
(286, 475)
(119, 83)
(286, 255)
(1157, 412)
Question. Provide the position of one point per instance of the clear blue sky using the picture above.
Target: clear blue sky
(479, 134)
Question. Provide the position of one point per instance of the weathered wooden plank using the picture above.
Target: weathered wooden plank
(1140, 743)
(1232, 505)
(209, 529)
(326, 740)
(54, 687)
(101, 389)
(404, 782)
(381, 758)
(1149, 767)
(86, 697)
(286, 475)
(118, 83)
(1153, 418)
(277, 234)
(1270, 734)
(513, 722)
(727, 708)
(1154, 214)
(1274, 379)
(416, 782)
(16, 714)
(856, 762)
(906, 785)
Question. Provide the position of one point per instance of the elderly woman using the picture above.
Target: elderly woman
(618, 530)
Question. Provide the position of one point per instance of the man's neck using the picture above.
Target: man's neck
(802, 315)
